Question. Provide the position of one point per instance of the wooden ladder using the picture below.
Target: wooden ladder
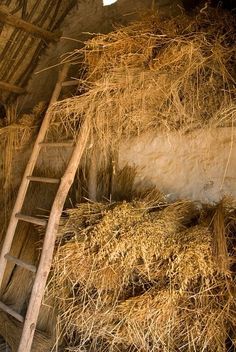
(42, 271)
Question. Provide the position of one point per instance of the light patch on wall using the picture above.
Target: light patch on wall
(108, 2)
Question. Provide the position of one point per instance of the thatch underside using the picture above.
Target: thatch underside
(21, 50)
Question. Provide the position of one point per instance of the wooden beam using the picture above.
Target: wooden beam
(17, 22)
(11, 88)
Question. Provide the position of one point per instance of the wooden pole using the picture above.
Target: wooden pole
(17, 22)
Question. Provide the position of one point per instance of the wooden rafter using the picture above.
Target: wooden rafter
(11, 88)
(12, 20)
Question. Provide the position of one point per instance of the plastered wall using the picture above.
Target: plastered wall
(198, 166)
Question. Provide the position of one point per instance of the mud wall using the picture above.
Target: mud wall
(198, 166)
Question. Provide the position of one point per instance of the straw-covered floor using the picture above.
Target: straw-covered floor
(146, 276)
(155, 74)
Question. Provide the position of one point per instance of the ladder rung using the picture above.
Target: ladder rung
(57, 144)
(70, 83)
(21, 263)
(10, 311)
(43, 179)
(31, 219)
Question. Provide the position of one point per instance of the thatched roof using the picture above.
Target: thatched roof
(26, 28)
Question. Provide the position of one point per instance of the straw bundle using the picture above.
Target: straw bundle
(173, 74)
(142, 276)
(12, 330)
(16, 133)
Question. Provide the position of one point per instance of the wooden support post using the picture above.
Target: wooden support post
(11, 88)
(17, 22)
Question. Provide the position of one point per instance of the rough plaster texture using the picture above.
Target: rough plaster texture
(89, 16)
(199, 166)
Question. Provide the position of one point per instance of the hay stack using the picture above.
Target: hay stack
(142, 276)
(173, 74)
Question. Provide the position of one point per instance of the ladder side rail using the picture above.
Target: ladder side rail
(49, 241)
(28, 172)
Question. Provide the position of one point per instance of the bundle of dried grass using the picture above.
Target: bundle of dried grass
(142, 276)
(174, 74)
(16, 133)
(12, 329)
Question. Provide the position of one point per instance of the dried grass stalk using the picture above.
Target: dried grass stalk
(220, 241)
(12, 329)
(15, 133)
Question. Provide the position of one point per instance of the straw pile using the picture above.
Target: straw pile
(172, 74)
(16, 132)
(145, 276)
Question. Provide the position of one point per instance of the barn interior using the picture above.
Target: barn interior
(117, 139)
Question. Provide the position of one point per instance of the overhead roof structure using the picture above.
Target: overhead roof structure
(26, 28)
